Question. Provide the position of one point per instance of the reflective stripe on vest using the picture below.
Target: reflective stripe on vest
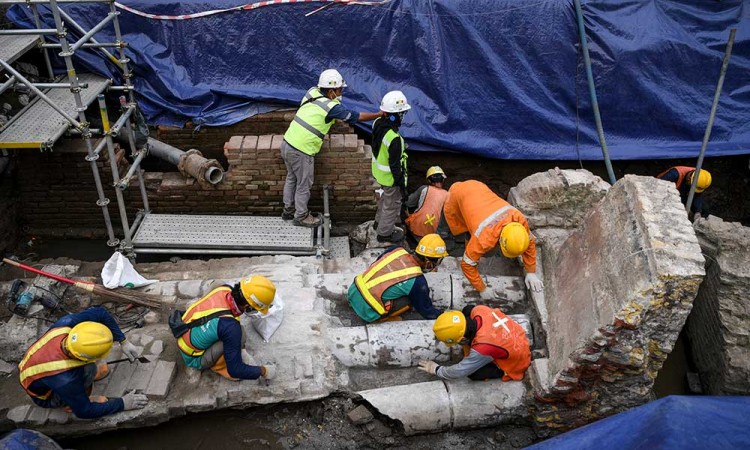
(46, 358)
(682, 171)
(213, 302)
(392, 268)
(309, 126)
(381, 168)
(499, 330)
(429, 211)
(492, 218)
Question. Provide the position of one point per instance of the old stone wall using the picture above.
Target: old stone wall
(58, 195)
(618, 294)
(718, 325)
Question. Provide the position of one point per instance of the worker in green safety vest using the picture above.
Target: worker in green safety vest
(302, 141)
(389, 165)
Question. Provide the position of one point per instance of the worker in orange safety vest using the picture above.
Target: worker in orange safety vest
(425, 205)
(473, 207)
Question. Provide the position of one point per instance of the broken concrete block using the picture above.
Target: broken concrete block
(38, 415)
(360, 415)
(145, 339)
(141, 376)
(119, 379)
(19, 413)
(158, 386)
(6, 368)
(59, 416)
(191, 289)
(156, 348)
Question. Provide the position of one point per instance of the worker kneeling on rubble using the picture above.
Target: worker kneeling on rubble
(471, 206)
(682, 177)
(398, 274)
(425, 205)
(212, 336)
(494, 345)
(60, 368)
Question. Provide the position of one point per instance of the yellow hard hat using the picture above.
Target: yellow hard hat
(704, 180)
(89, 341)
(449, 327)
(435, 170)
(514, 240)
(432, 246)
(258, 291)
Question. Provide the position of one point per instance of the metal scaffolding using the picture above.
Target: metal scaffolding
(53, 111)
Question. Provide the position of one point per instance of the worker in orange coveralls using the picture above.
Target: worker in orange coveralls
(473, 207)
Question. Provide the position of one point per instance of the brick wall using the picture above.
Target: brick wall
(58, 194)
(8, 211)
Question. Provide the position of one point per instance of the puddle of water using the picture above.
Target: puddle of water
(208, 431)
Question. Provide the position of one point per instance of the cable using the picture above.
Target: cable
(578, 122)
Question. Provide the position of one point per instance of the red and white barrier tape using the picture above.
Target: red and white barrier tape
(246, 7)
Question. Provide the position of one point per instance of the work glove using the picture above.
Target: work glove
(428, 366)
(534, 283)
(268, 372)
(134, 401)
(129, 350)
(487, 294)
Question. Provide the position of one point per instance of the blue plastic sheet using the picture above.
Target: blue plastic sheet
(671, 423)
(495, 78)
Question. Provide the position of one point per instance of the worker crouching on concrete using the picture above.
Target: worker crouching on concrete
(398, 274)
(425, 205)
(494, 345)
(60, 368)
(389, 165)
(216, 339)
(682, 177)
(302, 141)
(471, 206)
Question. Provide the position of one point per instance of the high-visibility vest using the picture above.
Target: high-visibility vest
(215, 301)
(498, 330)
(381, 170)
(309, 126)
(393, 267)
(682, 172)
(426, 218)
(46, 358)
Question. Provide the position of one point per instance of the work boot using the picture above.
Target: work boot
(309, 221)
(287, 214)
(396, 236)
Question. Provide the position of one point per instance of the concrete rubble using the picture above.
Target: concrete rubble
(719, 323)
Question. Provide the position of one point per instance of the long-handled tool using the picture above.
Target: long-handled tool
(394, 316)
(140, 359)
(115, 295)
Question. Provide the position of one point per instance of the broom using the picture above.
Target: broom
(115, 295)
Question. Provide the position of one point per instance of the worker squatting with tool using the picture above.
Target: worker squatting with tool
(682, 177)
(425, 206)
(60, 368)
(304, 137)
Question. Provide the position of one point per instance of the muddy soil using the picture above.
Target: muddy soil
(313, 425)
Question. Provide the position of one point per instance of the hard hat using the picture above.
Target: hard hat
(432, 246)
(394, 102)
(435, 170)
(331, 79)
(704, 180)
(89, 341)
(514, 240)
(449, 327)
(258, 291)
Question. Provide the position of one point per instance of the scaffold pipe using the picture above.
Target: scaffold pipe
(208, 172)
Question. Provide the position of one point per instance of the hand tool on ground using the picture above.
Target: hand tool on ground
(115, 295)
(140, 359)
(394, 316)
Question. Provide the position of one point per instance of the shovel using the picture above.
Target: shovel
(140, 359)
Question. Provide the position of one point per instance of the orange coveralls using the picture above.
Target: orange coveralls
(473, 207)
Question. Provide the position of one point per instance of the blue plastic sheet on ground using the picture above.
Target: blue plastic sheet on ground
(495, 78)
(671, 423)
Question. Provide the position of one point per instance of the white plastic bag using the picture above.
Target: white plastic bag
(267, 324)
(118, 272)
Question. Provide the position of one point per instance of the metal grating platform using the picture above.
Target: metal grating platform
(339, 247)
(11, 47)
(165, 233)
(40, 126)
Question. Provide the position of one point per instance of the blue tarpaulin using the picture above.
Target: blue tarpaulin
(495, 78)
(671, 423)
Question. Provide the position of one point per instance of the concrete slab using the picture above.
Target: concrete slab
(119, 379)
(161, 378)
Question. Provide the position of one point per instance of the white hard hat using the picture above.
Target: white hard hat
(331, 79)
(394, 102)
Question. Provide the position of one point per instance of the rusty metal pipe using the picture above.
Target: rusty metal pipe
(208, 172)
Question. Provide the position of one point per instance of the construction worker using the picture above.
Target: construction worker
(218, 342)
(389, 165)
(425, 205)
(60, 368)
(396, 274)
(682, 177)
(494, 345)
(473, 207)
(304, 137)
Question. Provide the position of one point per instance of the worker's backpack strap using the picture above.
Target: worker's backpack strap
(179, 327)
